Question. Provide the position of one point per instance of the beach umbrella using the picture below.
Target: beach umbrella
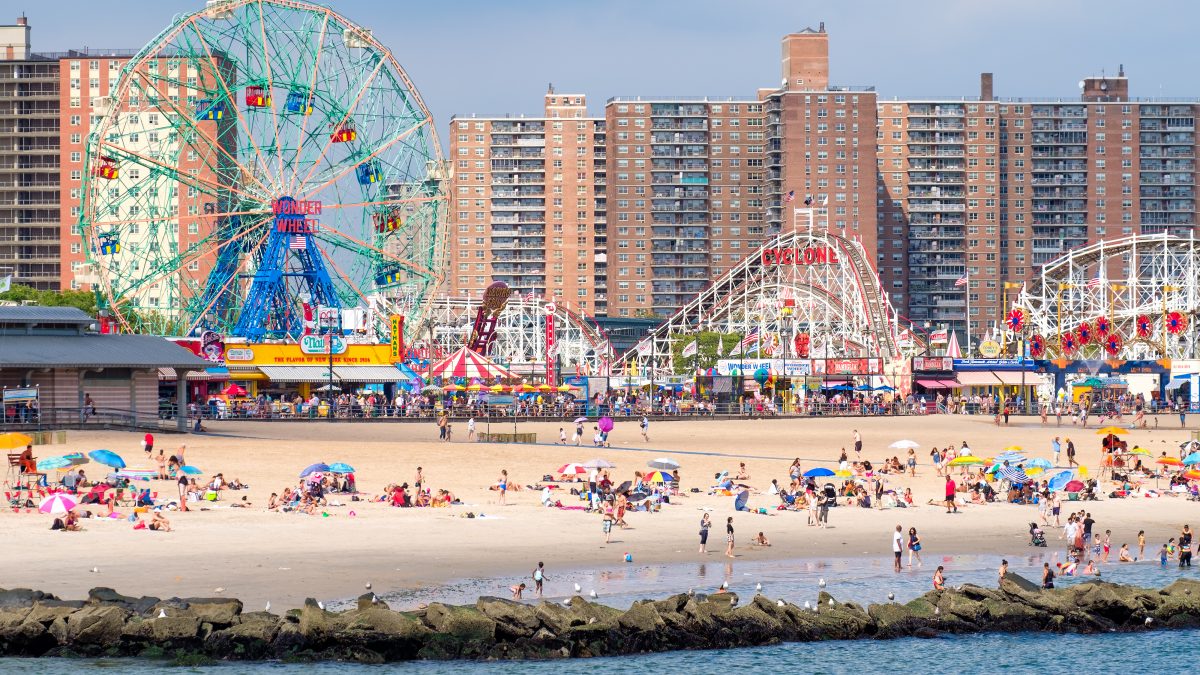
(819, 472)
(475, 387)
(137, 474)
(1192, 474)
(580, 420)
(76, 458)
(1010, 457)
(57, 503)
(663, 464)
(658, 477)
(544, 387)
(885, 388)
(340, 467)
(572, 468)
(967, 461)
(1039, 463)
(1060, 480)
(740, 499)
(1191, 459)
(1168, 461)
(53, 463)
(234, 389)
(191, 470)
(314, 468)
(1014, 448)
(905, 445)
(599, 464)
(1142, 452)
(842, 473)
(605, 424)
(107, 458)
(1115, 431)
(1013, 475)
(564, 387)
(14, 440)
(496, 388)
(1074, 486)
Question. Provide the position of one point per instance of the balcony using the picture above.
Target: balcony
(946, 207)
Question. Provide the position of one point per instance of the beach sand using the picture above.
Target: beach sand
(256, 555)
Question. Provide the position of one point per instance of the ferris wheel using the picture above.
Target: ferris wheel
(259, 162)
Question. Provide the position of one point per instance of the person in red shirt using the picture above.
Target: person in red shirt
(950, 490)
(148, 443)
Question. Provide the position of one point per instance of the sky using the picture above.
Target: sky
(498, 56)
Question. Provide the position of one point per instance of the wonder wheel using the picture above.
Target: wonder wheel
(259, 163)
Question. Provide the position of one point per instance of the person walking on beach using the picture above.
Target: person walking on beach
(936, 456)
(609, 519)
(729, 537)
(857, 445)
(1071, 454)
(912, 463)
(442, 421)
(148, 443)
(539, 575)
(183, 490)
(1056, 509)
(705, 526)
(897, 547)
(645, 428)
(578, 437)
(502, 485)
(562, 436)
(1058, 409)
(914, 546)
(951, 489)
(470, 429)
(419, 479)
(1055, 449)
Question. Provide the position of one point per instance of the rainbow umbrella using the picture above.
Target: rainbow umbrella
(658, 477)
(1169, 461)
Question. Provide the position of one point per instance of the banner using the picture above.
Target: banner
(871, 366)
(938, 363)
(939, 337)
(396, 323)
(550, 349)
(690, 349)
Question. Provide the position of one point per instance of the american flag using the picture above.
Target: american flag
(299, 242)
(530, 297)
(791, 195)
(808, 200)
(751, 338)
(962, 281)
(1094, 281)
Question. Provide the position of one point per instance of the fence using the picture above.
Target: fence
(46, 420)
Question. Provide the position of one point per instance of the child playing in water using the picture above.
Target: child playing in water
(516, 591)
(1124, 556)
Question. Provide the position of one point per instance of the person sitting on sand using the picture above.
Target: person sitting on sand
(742, 474)
(273, 502)
(760, 540)
(443, 498)
(71, 522)
(159, 522)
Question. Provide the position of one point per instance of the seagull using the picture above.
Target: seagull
(321, 605)
(691, 592)
(368, 585)
(891, 596)
(218, 589)
(95, 570)
(831, 602)
(733, 601)
(807, 605)
(268, 608)
(567, 602)
(821, 583)
(758, 587)
(162, 613)
(1149, 621)
(374, 599)
(937, 610)
(780, 603)
(577, 588)
(593, 593)
(725, 584)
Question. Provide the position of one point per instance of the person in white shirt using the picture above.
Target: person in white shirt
(470, 429)
(898, 545)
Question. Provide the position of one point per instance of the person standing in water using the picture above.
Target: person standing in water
(729, 537)
(914, 546)
(705, 526)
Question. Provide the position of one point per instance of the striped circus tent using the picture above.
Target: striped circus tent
(469, 364)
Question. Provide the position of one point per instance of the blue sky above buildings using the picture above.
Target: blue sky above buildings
(494, 56)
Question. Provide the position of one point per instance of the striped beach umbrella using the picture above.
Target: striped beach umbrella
(468, 364)
(57, 503)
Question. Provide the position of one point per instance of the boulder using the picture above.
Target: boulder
(107, 596)
(315, 624)
(513, 619)
(1015, 583)
(371, 601)
(22, 597)
(893, 620)
(30, 638)
(97, 626)
(174, 630)
(217, 611)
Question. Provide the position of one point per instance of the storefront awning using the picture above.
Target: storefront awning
(366, 374)
(950, 384)
(933, 384)
(216, 373)
(1012, 378)
(978, 378)
(297, 373)
(1178, 381)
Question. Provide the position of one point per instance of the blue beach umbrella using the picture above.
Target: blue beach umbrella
(191, 470)
(53, 463)
(1060, 480)
(1039, 463)
(1191, 459)
(107, 458)
(819, 472)
(739, 502)
(314, 468)
(1010, 457)
(340, 467)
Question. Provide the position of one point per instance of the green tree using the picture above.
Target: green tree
(707, 345)
(19, 293)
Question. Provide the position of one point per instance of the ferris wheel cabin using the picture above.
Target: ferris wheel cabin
(106, 168)
(257, 98)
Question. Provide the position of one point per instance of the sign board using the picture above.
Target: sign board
(784, 367)
(870, 366)
(396, 325)
(989, 349)
(20, 394)
(316, 344)
(809, 255)
(551, 346)
(239, 354)
(938, 363)
(328, 317)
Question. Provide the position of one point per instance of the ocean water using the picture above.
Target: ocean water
(1017, 653)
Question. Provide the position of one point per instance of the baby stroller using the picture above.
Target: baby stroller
(1036, 536)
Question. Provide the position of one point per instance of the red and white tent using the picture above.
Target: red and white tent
(469, 364)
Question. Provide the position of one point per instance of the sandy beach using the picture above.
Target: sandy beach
(258, 555)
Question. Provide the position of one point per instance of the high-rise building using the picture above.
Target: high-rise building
(29, 161)
(528, 204)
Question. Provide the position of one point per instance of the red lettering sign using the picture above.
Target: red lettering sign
(297, 226)
(291, 207)
(810, 255)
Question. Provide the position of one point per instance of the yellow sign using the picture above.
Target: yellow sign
(291, 355)
(397, 344)
(989, 349)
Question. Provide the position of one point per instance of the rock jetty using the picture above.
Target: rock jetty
(197, 630)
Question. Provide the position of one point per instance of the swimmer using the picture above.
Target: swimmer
(1123, 555)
